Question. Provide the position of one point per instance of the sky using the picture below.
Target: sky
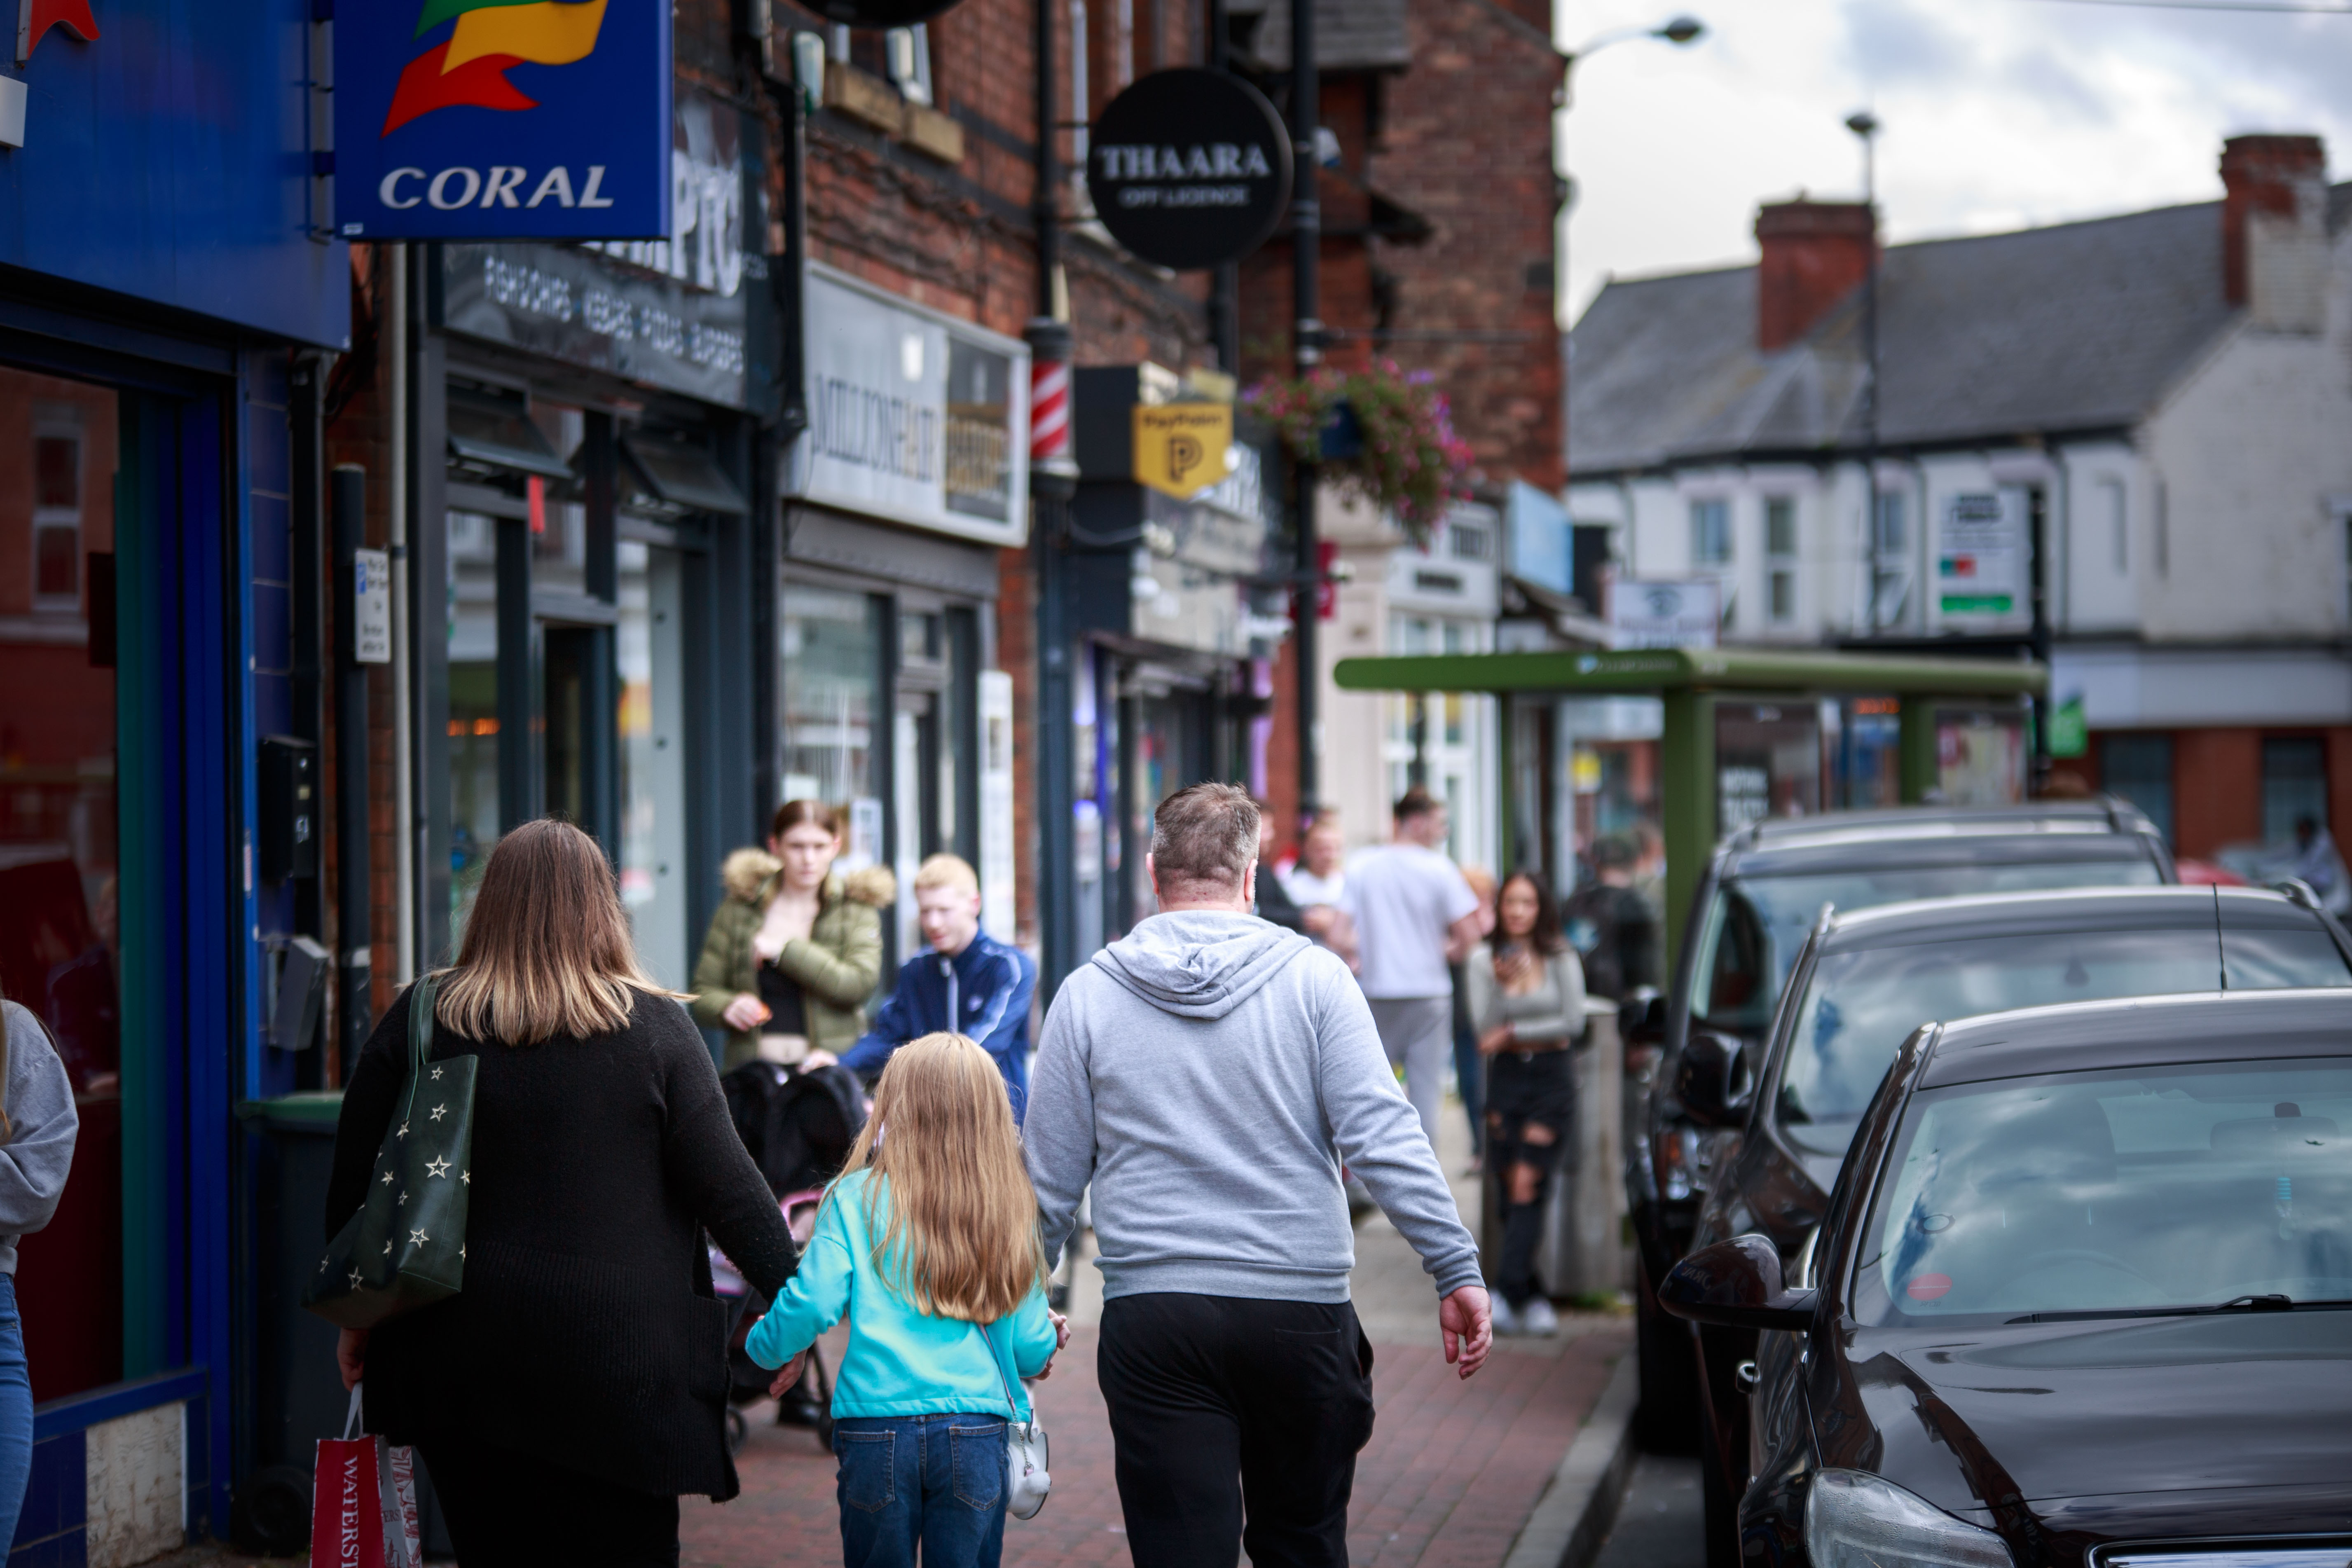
(1996, 114)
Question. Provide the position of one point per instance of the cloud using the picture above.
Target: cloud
(1997, 113)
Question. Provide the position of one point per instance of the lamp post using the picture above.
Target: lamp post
(1306, 352)
(1681, 30)
(1864, 125)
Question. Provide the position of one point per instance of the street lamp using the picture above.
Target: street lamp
(1681, 30)
(1864, 124)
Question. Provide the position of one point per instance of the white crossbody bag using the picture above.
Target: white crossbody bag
(1027, 1480)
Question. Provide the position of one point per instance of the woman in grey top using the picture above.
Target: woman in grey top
(1527, 1002)
(38, 1126)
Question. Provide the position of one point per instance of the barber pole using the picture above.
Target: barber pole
(1049, 412)
(1052, 470)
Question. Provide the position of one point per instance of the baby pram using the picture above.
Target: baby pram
(798, 1127)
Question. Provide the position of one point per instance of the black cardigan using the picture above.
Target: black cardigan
(587, 1334)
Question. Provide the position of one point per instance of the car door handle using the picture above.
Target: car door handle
(1744, 1376)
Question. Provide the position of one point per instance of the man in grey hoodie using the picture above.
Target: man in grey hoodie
(1208, 1075)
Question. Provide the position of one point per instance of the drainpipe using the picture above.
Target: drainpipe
(1052, 480)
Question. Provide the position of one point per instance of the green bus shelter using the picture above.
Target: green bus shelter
(1690, 682)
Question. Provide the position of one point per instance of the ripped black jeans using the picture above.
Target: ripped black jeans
(1531, 1116)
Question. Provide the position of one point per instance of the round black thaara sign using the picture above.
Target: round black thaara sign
(879, 12)
(1189, 168)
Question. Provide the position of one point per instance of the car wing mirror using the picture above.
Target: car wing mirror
(1714, 1078)
(1737, 1284)
(1642, 1018)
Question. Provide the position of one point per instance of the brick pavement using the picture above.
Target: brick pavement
(1451, 1474)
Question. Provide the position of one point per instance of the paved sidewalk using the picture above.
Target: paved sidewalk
(1451, 1473)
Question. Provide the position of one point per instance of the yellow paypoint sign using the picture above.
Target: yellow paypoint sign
(1180, 448)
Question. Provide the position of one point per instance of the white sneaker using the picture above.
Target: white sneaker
(1507, 1318)
(1537, 1319)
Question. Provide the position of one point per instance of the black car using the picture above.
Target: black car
(1749, 915)
(1862, 983)
(2082, 1298)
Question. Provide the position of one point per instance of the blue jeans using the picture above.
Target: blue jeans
(937, 1480)
(15, 1413)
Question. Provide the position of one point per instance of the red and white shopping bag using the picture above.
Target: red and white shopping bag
(363, 1502)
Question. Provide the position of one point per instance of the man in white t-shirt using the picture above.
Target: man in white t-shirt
(1413, 914)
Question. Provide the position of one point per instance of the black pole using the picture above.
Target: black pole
(1224, 281)
(1045, 205)
(355, 837)
(1306, 352)
(1052, 480)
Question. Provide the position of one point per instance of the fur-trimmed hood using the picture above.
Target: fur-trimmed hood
(748, 875)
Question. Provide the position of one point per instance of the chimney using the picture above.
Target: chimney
(1815, 254)
(2274, 230)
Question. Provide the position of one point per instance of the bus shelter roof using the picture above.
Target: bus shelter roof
(1654, 671)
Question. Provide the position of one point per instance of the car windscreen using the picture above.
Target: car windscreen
(1755, 925)
(1859, 1006)
(2165, 1189)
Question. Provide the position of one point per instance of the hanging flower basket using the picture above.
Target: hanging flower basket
(1383, 436)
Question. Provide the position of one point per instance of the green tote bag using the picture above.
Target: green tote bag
(406, 1247)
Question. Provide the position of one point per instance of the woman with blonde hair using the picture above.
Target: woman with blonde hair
(929, 1242)
(574, 1388)
(795, 950)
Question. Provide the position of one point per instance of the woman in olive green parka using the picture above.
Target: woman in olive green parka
(795, 950)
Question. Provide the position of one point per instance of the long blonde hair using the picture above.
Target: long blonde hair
(547, 949)
(961, 1237)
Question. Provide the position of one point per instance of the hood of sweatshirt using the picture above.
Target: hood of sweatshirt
(1200, 963)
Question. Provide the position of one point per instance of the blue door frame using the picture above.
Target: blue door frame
(204, 451)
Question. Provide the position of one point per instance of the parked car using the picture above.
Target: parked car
(1749, 916)
(1864, 982)
(2083, 1281)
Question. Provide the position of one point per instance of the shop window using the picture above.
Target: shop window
(1710, 526)
(2140, 769)
(832, 650)
(650, 656)
(62, 902)
(472, 718)
(2294, 786)
(56, 521)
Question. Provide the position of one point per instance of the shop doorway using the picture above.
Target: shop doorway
(60, 887)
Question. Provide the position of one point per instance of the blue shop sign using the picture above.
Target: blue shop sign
(158, 149)
(502, 119)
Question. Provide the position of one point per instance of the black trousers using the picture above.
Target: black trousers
(1235, 1424)
(1527, 1090)
(511, 1510)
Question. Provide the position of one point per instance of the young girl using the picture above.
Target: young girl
(929, 1241)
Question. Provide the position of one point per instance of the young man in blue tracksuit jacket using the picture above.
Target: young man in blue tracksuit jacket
(969, 982)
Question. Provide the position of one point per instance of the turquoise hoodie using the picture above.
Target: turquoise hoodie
(900, 1361)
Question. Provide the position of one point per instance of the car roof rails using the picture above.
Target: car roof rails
(2298, 891)
(2124, 816)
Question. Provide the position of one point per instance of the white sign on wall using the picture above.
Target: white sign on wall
(1665, 613)
(1981, 562)
(372, 606)
(996, 856)
(913, 416)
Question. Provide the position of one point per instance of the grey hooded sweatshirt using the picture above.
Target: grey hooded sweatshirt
(1208, 1075)
(42, 1126)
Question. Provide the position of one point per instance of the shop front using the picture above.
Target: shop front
(586, 425)
(910, 479)
(1170, 669)
(160, 355)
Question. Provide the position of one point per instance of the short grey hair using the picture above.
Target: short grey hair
(1204, 834)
